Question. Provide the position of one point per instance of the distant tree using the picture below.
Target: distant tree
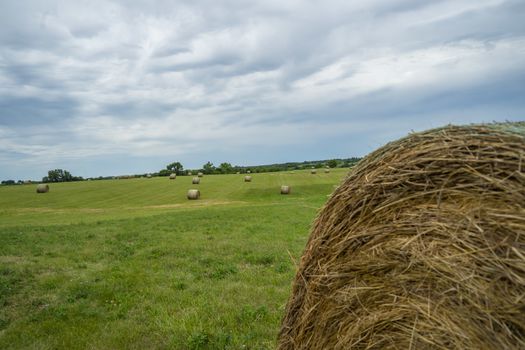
(8, 182)
(208, 168)
(332, 163)
(175, 167)
(226, 168)
(59, 175)
(164, 172)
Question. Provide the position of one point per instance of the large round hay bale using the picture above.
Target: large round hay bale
(421, 247)
(196, 181)
(194, 194)
(248, 172)
(313, 171)
(200, 174)
(42, 188)
(173, 176)
(247, 179)
(327, 171)
(286, 189)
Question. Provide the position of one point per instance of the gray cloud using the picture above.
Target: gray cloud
(126, 85)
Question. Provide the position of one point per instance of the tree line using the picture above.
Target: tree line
(227, 168)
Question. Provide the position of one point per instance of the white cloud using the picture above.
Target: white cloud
(136, 78)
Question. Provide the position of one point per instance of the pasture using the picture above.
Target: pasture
(133, 264)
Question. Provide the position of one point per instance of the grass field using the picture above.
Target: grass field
(133, 264)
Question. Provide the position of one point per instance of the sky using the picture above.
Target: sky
(105, 88)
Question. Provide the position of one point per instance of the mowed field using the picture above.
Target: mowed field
(133, 264)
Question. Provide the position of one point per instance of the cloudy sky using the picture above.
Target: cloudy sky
(115, 87)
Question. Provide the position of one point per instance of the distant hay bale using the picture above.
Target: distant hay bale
(148, 176)
(248, 171)
(42, 188)
(194, 194)
(327, 171)
(173, 176)
(286, 189)
(200, 174)
(189, 173)
(196, 181)
(421, 247)
(313, 171)
(247, 179)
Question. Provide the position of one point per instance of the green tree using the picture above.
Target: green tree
(226, 168)
(59, 175)
(332, 163)
(208, 168)
(175, 167)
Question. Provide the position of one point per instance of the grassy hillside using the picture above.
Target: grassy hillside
(134, 264)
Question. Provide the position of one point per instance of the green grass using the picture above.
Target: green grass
(133, 264)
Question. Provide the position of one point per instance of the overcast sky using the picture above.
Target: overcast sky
(117, 87)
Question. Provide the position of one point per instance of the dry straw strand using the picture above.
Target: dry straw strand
(421, 247)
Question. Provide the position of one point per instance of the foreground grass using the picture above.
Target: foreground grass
(213, 276)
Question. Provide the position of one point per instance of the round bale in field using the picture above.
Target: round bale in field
(247, 179)
(421, 247)
(327, 171)
(248, 172)
(42, 188)
(313, 171)
(200, 174)
(196, 181)
(194, 194)
(173, 176)
(285, 189)
(148, 176)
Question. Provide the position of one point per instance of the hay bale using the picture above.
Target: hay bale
(421, 247)
(189, 173)
(196, 181)
(247, 179)
(285, 189)
(42, 188)
(148, 176)
(327, 171)
(313, 171)
(173, 176)
(194, 194)
(248, 172)
(200, 174)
